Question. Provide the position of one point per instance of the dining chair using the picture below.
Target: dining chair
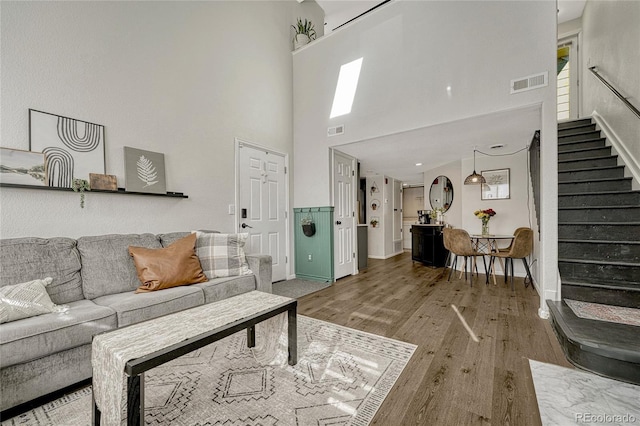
(459, 242)
(506, 249)
(520, 248)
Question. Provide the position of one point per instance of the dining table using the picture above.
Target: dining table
(489, 244)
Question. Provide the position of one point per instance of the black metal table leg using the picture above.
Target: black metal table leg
(293, 335)
(95, 413)
(135, 400)
(251, 336)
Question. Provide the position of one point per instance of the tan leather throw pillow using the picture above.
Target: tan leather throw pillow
(167, 267)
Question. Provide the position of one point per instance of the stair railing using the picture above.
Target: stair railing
(615, 92)
(534, 171)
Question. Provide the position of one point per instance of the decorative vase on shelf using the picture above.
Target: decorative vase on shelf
(485, 227)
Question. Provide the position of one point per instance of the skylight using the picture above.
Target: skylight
(346, 88)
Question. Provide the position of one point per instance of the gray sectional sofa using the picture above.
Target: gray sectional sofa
(96, 278)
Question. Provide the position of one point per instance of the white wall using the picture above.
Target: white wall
(611, 41)
(182, 78)
(570, 27)
(453, 171)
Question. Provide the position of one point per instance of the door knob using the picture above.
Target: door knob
(338, 222)
(244, 225)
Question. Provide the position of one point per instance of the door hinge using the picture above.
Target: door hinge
(286, 259)
(286, 214)
(354, 255)
(353, 172)
(353, 214)
(285, 170)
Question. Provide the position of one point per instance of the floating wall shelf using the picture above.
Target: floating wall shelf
(94, 191)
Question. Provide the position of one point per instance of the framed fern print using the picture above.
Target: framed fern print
(144, 171)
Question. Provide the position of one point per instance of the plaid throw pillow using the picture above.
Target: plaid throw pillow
(222, 255)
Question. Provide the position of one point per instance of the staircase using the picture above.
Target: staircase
(598, 252)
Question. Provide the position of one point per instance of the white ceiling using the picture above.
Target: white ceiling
(337, 12)
(396, 155)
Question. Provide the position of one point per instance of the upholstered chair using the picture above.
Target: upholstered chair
(506, 249)
(459, 243)
(520, 248)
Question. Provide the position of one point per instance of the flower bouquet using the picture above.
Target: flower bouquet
(484, 216)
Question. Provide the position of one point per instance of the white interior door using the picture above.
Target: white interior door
(262, 206)
(344, 214)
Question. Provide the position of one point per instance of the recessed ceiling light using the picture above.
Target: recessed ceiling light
(497, 146)
(418, 164)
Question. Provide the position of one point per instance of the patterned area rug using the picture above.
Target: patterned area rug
(342, 377)
(610, 313)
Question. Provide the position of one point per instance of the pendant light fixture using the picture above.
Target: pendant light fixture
(474, 178)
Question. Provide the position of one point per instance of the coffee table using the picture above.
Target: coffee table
(128, 352)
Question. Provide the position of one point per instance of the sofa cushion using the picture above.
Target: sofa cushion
(132, 308)
(167, 239)
(172, 266)
(223, 288)
(25, 300)
(172, 237)
(35, 337)
(26, 259)
(107, 267)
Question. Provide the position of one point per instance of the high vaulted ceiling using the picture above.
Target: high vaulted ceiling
(337, 12)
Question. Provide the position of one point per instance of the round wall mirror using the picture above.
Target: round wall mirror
(441, 193)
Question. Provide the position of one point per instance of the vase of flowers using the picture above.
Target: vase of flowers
(485, 216)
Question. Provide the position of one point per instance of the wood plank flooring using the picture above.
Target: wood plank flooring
(450, 380)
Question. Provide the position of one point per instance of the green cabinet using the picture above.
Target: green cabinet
(314, 254)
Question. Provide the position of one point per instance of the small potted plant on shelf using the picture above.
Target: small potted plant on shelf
(304, 33)
(81, 185)
(374, 223)
(308, 227)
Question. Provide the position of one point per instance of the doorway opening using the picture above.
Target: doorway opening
(567, 78)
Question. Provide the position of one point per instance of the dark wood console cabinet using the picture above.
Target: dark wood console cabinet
(427, 245)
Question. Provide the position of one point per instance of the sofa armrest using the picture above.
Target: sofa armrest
(260, 264)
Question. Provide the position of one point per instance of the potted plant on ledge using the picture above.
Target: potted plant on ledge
(304, 33)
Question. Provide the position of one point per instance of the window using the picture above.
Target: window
(346, 88)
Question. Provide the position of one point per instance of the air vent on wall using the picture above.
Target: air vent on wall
(530, 82)
(334, 131)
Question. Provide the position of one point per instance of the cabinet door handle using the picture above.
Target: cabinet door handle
(338, 222)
